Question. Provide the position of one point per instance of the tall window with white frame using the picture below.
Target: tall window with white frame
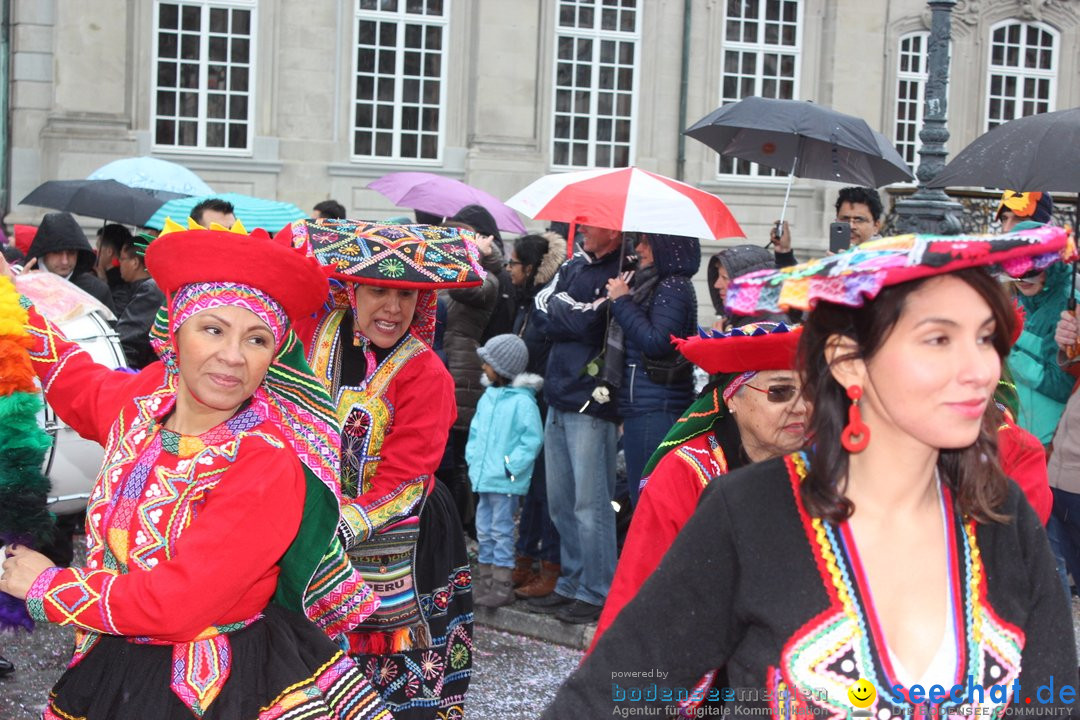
(910, 94)
(1023, 71)
(399, 96)
(596, 76)
(762, 49)
(204, 85)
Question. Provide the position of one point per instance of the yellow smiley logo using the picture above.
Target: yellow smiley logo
(862, 693)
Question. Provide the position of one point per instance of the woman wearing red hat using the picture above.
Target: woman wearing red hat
(751, 411)
(213, 575)
(892, 557)
(370, 345)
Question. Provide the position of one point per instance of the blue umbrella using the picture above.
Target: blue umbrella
(149, 173)
(253, 212)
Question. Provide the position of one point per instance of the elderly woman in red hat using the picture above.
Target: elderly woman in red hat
(370, 345)
(890, 567)
(213, 575)
(752, 410)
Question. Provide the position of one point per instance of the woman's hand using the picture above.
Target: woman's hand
(21, 569)
(1067, 331)
(616, 288)
(485, 243)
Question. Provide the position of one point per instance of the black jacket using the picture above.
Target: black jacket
(573, 314)
(753, 585)
(59, 231)
(135, 322)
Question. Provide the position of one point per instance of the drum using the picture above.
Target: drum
(73, 462)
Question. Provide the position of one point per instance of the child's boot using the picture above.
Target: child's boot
(481, 585)
(502, 589)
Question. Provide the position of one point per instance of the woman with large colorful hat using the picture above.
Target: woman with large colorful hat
(213, 574)
(892, 557)
(370, 346)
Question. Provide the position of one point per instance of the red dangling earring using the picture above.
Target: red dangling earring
(856, 435)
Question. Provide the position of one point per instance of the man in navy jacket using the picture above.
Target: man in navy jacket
(580, 435)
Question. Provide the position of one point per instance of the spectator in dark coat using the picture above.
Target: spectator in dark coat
(502, 315)
(135, 321)
(729, 264)
(111, 239)
(61, 247)
(580, 433)
(532, 265)
(468, 311)
(660, 304)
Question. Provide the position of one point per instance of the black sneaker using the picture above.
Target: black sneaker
(548, 604)
(579, 612)
(6, 667)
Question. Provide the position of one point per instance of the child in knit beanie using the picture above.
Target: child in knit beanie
(505, 437)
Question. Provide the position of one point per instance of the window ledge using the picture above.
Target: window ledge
(199, 161)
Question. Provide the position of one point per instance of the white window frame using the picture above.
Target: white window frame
(1021, 73)
(200, 148)
(919, 79)
(401, 17)
(759, 172)
(597, 35)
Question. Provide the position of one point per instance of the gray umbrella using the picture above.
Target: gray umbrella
(803, 139)
(1037, 153)
(1033, 153)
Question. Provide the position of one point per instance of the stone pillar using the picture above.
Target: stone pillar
(930, 210)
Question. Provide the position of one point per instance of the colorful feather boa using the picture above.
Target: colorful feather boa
(24, 517)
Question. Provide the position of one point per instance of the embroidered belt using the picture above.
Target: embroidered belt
(201, 667)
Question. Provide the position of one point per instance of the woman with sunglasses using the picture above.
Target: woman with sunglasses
(752, 410)
(891, 557)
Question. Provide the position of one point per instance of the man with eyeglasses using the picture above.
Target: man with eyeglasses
(860, 207)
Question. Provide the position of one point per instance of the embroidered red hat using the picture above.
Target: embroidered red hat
(180, 256)
(762, 345)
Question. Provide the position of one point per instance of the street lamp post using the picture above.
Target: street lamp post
(930, 210)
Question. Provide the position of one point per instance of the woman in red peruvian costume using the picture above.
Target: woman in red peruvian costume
(213, 574)
(370, 346)
(892, 557)
(751, 410)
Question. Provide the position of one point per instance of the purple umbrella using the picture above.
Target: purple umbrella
(444, 196)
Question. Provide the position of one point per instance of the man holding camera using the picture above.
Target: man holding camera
(860, 208)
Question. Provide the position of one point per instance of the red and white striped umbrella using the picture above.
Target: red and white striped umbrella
(627, 199)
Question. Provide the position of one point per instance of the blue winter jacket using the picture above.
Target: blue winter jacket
(648, 327)
(573, 313)
(505, 437)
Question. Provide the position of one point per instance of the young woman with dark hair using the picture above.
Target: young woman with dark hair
(893, 552)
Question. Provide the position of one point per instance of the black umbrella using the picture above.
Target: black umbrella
(106, 199)
(1037, 153)
(803, 139)
(1033, 153)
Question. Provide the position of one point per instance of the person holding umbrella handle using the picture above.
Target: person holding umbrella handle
(860, 207)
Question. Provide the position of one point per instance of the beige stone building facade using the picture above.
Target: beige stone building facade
(303, 100)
